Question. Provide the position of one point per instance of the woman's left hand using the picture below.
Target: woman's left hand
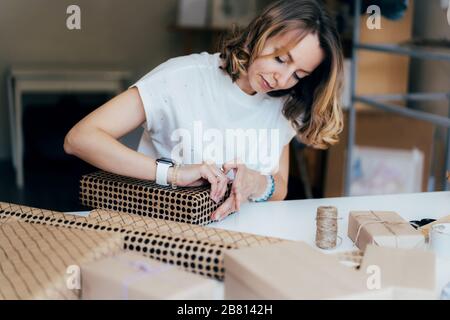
(247, 183)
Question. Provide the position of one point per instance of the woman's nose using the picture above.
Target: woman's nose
(282, 79)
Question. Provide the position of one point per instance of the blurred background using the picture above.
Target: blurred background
(54, 73)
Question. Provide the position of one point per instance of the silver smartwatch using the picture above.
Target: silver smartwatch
(162, 169)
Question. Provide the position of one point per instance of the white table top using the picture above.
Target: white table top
(295, 220)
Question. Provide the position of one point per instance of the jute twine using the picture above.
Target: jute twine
(326, 223)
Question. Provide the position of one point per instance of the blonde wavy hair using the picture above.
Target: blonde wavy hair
(313, 104)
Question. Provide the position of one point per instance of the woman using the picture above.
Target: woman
(280, 75)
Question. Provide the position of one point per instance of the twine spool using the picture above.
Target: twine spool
(326, 224)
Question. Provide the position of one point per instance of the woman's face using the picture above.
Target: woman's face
(267, 74)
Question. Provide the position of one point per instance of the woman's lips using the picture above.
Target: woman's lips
(265, 84)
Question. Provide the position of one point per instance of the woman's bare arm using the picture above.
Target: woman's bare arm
(94, 139)
(281, 177)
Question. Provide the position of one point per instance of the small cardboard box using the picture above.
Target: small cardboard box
(130, 276)
(292, 270)
(383, 228)
(411, 273)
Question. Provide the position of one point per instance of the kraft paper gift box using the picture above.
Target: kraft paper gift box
(292, 270)
(383, 228)
(35, 258)
(410, 273)
(130, 276)
(103, 190)
(195, 248)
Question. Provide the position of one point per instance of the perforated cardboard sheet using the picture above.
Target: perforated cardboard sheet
(35, 258)
(103, 190)
(197, 249)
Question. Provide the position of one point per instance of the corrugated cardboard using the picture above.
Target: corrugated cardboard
(381, 130)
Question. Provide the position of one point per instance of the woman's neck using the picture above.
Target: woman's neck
(244, 85)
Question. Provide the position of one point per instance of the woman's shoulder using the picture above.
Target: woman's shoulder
(202, 60)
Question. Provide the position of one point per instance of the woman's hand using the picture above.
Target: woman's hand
(195, 175)
(247, 183)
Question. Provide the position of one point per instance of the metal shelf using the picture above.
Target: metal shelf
(411, 113)
(418, 96)
(377, 101)
(412, 51)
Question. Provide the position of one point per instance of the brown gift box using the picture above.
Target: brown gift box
(410, 273)
(195, 248)
(130, 276)
(383, 228)
(103, 190)
(292, 270)
(34, 258)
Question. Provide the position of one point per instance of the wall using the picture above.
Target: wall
(133, 35)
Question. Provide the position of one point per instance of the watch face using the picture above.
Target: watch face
(165, 160)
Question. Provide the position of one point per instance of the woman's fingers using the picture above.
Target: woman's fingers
(225, 209)
(237, 187)
(223, 185)
(197, 175)
(229, 166)
(238, 200)
(198, 183)
(208, 173)
(222, 182)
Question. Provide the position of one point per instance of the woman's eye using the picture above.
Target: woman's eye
(279, 60)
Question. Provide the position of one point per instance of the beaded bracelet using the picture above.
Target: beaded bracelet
(268, 193)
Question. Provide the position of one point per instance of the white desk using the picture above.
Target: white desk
(26, 80)
(295, 220)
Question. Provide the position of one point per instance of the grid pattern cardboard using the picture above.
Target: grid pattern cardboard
(103, 190)
(34, 258)
(195, 248)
